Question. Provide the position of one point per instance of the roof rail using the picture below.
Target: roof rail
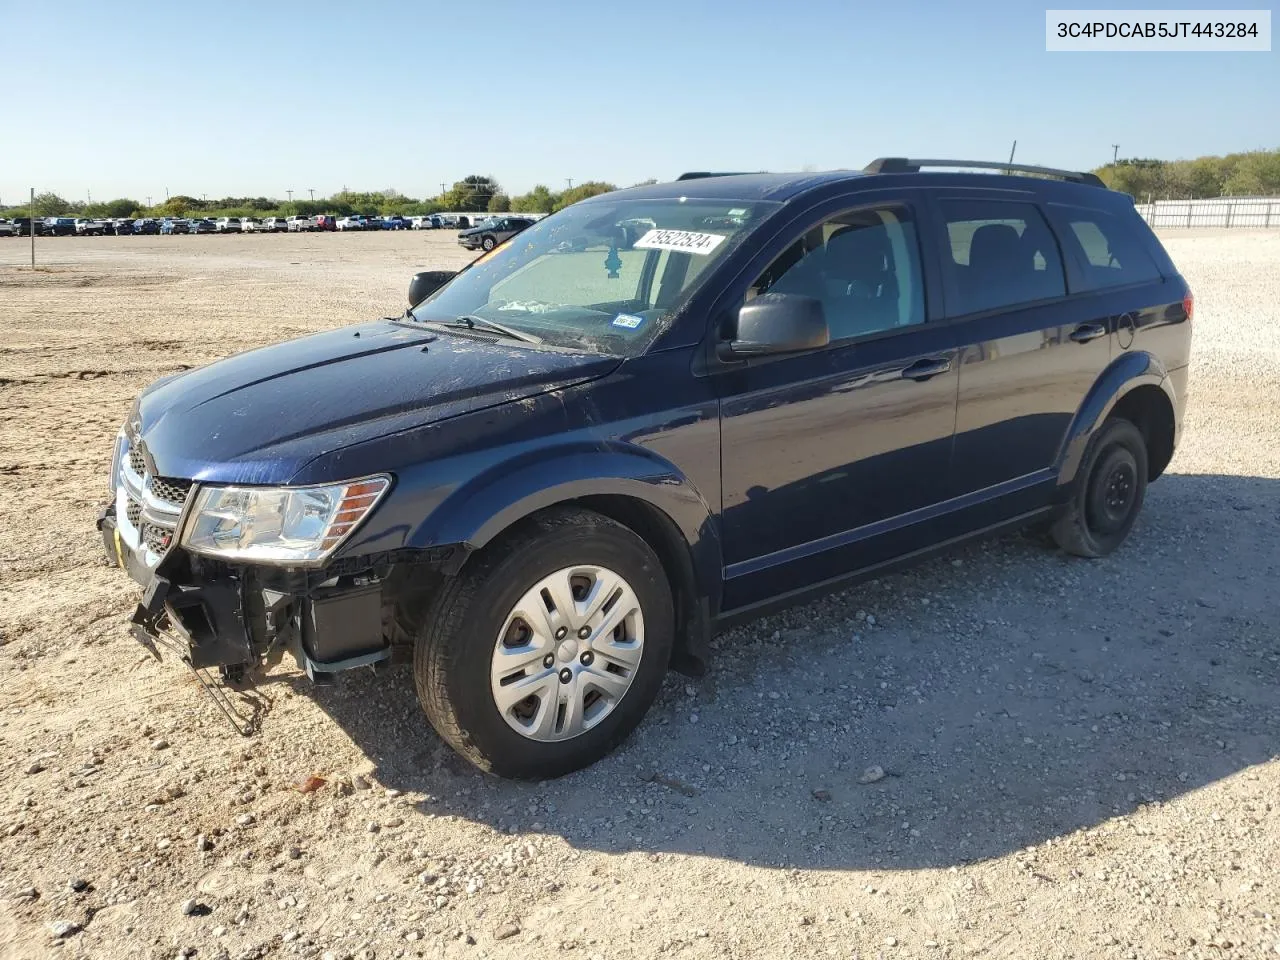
(905, 165)
(699, 175)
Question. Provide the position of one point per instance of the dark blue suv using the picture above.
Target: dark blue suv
(647, 416)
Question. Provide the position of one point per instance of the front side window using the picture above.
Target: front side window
(864, 267)
(602, 275)
(1002, 254)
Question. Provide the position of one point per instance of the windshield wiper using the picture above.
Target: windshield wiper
(489, 326)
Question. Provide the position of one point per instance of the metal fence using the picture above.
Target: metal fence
(1217, 212)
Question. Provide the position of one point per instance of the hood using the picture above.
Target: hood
(259, 417)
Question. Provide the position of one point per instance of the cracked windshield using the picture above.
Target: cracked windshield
(601, 276)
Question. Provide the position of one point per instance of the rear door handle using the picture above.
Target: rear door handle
(926, 368)
(1088, 331)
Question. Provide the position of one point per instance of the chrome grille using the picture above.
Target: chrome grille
(170, 490)
(156, 538)
(152, 505)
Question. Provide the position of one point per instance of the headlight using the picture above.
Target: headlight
(301, 525)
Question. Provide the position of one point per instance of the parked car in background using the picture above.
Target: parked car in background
(324, 221)
(172, 225)
(228, 224)
(87, 227)
(492, 232)
(300, 224)
(146, 225)
(349, 223)
(250, 225)
(203, 225)
(60, 226)
(7, 229)
(395, 222)
(23, 226)
(275, 225)
(120, 226)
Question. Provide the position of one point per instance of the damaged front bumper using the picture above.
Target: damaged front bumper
(234, 618)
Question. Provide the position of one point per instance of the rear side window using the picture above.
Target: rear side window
(1001, 254)
(1109, 252)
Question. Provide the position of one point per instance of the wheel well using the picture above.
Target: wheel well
(658, 530)
(1148, 409)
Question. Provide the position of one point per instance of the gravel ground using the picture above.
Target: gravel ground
(1003, 753)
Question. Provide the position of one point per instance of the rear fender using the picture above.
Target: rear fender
(1127, 372)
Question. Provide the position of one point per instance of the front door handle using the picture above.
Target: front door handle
(1088, 331)
(926, 368)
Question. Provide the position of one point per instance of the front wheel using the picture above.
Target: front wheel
(1110, 489)
(548, 648)
(488, 244)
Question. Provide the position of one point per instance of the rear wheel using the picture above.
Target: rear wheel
(548, 648)
(1109, 493)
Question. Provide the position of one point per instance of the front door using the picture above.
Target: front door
(827, 457)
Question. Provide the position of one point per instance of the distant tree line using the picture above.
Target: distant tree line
(472, 194)
(1255, 173)
(1252, 174)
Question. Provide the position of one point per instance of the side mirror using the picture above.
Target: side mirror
(425, 284)
(775, 323)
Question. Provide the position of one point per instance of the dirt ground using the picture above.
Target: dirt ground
(1080, 757)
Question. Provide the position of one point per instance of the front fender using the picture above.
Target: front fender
(1126, 373)
(489, 503)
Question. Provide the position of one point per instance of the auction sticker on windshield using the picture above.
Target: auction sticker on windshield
(684, 241)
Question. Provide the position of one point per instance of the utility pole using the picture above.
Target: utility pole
(442, 190)
(290, 193)
(166, 194)
(312, 191)
(1115, 153)
(569, 181)
(89, 194)
(148, 200)
(31, 225)
(1013, 150)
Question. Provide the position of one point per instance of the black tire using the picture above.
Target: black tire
(1110, 489)
(488, 243)
(454, 646)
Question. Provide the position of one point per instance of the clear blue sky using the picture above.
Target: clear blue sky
(235, 98)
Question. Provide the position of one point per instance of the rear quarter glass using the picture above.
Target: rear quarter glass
(1108, 250)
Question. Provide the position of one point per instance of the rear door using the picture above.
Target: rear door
(1028, 355)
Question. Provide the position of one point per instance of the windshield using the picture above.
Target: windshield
(603, 276)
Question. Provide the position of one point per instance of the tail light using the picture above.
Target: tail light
(1188, 304)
